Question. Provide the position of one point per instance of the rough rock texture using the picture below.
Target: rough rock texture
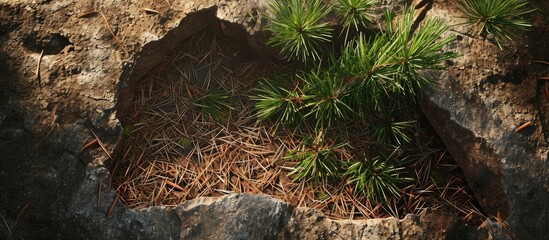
(86, 214)
(51, 190)
(238, 216)
(486, 94)
(308, 224)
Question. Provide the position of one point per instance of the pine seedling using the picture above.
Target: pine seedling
(497, 17)
(376, 178)
(297, 28)
(386, 129)
(354, 14)
(316, 160)
(327, 91)
(368, 67)
(418, 50)
(276, 101)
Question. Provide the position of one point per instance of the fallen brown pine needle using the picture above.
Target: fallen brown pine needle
(21, 213)
(174, 185)
(504, 225)
(148, 10)
(38, 77)
(112, 33)
(542, 62)
(101, 144)
(89, 144)
(523, 126)
(112, 205)
(88, 14)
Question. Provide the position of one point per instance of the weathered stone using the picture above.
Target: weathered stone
(88, 215)
(56, 191)
(310, 224)
(484, 96)
(238, 216)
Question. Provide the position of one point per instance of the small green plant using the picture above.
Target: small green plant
(496, 17)
(376, 178)
(297, 28)
(419, 50)
(373, 80)
(216, 104)
(393, 132)
(326, 103)
(368, 66)
(276, 101)
(354, 13)
(127, 131)
(386, 129)
(317, 160)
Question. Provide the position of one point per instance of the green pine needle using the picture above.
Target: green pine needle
(541, 5)
(326, 92)
(354, 13)
(317, 161)
(297, 28)
(376, 178)
(393, 132)
(497, 16)
(216, 104)
(418, 51)
(275, 101)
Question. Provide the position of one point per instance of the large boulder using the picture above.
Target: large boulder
(485, 95)
(89, 55)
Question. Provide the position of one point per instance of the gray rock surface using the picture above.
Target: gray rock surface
(50, 189)
(308, 224)
(486, 94)
(237, 216)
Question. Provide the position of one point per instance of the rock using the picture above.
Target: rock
(236, 216)
(88, 216)
(310, 224)
(51, 189)
(484, 96)
(240, 216)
